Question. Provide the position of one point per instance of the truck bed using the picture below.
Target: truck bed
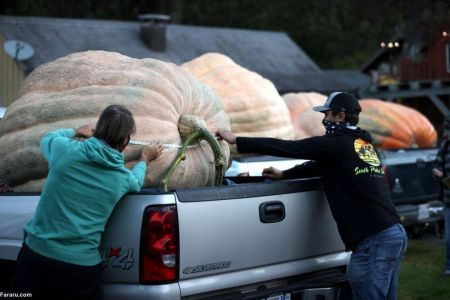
(232, 240)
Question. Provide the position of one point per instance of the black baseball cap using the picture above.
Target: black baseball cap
(340, 101)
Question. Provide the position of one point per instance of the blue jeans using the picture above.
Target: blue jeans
(375, 264)
(447, 234)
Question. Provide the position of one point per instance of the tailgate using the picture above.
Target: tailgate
(225, 231)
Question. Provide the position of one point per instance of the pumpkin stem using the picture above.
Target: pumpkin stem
(199, 133)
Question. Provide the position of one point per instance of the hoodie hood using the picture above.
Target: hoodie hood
(358, 133)
(102, 154)
(346, 128)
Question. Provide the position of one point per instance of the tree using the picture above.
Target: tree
(335, 33)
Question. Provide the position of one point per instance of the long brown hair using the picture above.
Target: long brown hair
(115, 126)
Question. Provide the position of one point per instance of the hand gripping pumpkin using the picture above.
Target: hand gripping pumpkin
(74, 90)
(252, 102)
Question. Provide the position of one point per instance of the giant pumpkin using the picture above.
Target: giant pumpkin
(306, 122)
(391, 125)
(396, 126)
(252, 102)
(73, 91)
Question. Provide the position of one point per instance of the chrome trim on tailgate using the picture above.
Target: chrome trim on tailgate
(233, 279)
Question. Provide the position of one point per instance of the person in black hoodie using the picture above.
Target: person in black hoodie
(353, 180)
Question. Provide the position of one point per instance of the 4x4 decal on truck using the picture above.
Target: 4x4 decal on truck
(118, 258)
(207, 267)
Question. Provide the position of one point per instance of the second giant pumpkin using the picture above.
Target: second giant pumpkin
(252, 102)
(305, 120)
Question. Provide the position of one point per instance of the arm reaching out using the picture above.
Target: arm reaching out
(151, 152)
(273, 173)
(85, 131)
(226, 135)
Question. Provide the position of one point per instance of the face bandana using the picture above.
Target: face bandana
(332, 126)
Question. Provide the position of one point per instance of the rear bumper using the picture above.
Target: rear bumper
(428, 212)
(322, 276)
(337, 290)
(327, 285)
(123, 291)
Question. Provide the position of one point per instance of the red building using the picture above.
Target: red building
(414, 73)
(433, 61)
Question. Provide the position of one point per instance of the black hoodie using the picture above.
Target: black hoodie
(352, 176)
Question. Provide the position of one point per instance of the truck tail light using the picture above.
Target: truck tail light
(159, 245)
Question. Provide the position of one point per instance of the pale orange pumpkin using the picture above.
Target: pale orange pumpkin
(73, 91)
(306, 122)
(252, 102)
(396, 126)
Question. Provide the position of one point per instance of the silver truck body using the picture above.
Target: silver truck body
(218, 226)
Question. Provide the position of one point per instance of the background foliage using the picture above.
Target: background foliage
(335, 33)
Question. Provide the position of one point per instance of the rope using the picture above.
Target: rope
(144, 143)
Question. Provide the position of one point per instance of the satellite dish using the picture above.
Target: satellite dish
(18, 50)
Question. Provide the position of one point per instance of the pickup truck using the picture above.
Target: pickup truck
(414, 192)
(251, 239)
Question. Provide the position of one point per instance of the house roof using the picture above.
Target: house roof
(313, 82)
(272, 54)
(374, 60)
(381, 55)
(354, 79)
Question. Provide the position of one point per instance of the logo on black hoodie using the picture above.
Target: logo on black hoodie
(366, 152)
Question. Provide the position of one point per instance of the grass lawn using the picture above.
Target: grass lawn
(422, 272)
